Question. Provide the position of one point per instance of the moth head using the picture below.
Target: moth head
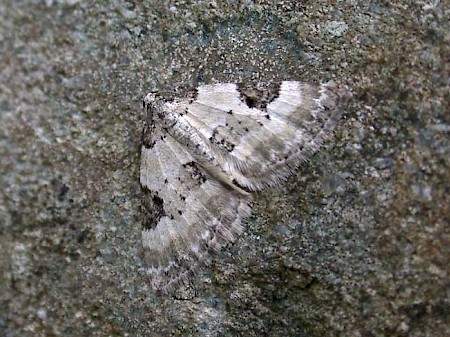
(153, 104)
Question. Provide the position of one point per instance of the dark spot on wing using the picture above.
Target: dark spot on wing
(152, 207)
(195, 172)
(218, 139)
(193, 94)
(146, 138)
(259, 96)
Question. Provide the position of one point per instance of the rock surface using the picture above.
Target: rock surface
(356, 244)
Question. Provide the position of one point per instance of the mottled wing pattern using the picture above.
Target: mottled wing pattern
(262, 145)
(201, 154)
(191, 214)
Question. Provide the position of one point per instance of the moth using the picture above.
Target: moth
(205, 153)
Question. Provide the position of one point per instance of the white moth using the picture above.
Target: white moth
(204, 154)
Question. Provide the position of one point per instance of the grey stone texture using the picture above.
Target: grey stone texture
(355, 244)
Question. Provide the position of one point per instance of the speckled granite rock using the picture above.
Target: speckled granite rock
(356, 244)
